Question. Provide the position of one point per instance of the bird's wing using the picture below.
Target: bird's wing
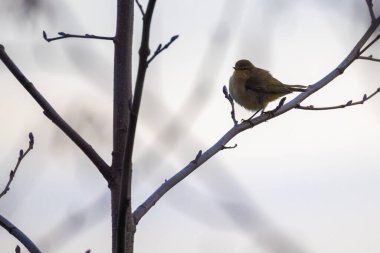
(263, 82)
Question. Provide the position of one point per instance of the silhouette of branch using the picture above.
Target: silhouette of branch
(160, 48)
(63, 35)
(19, 235)
(54, 116)
(229, 98)
(369, 45)
(369, 58)
(236, 129)
(21, 156)
(370, 8)
(140, 7)
(349, 103)
(124, 205)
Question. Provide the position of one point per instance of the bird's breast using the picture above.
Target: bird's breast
(244, 97)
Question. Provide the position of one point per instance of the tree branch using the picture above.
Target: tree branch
(229, 98)
(187, 170)
(369, 44)
(369, 58)
(19, 235)
(370, 8)
(126, 174)
(349, 103)
(122, 95)
(63, 35)
(21, 156)
(160, 48)
(140, 7)
(54, 116)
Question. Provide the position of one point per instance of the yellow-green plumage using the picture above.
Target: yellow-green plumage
(253, 88)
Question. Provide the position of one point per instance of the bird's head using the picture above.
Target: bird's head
(243, 65)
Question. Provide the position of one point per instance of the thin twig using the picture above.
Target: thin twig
(229, 98)
(21, 156)
(370, 8)
(195, 161)
(160, 48)
(140, 7)
(236, 129)
(349, 103)
(19, 235)
(54, 116)
(63, 35)
(369, 58)
(369, 45)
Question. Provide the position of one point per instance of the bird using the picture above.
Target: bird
(253, 88)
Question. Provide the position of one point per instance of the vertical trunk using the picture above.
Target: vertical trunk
(122, 96)
(130, 226)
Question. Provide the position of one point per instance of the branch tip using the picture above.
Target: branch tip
(31, 140)
(63, 35)
(161, 48)
(12, 173)
(349, 103)
(229, 98)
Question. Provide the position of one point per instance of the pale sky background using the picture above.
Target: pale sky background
(307, 181)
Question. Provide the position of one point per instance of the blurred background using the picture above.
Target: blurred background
(304, 182)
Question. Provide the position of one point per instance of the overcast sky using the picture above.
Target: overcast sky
(306, 181)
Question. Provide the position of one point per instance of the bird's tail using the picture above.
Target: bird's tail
(299, 88)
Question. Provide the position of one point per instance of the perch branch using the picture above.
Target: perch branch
(187, 170)
(63, 35)
(349, 103)
(21, 156)
(19, 235)
(54, 116)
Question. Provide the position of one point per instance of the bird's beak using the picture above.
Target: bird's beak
(234, 68)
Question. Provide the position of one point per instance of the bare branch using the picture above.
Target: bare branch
(349, 103)
(21, 156)
(160, 48)
(369, 58)
(140, 7)
(54, 116)
(370, 8)
(369, 45)
(19, 235)
(229, 98)
(63, 35)
(187, 170)
(124, 207)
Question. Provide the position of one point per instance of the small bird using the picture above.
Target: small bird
(253, 88)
